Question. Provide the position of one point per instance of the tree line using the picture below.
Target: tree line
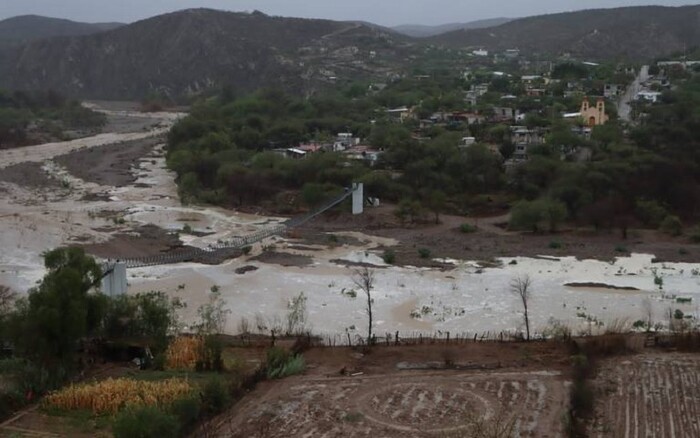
(42, 112)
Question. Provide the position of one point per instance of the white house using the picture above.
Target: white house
(649, 96)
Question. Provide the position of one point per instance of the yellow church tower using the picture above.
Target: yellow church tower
(594, 115)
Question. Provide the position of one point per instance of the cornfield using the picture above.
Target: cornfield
(111, 395)
(183, 353)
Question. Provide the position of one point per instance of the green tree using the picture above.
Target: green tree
(530, 215)
(212, 317)
(149, 316)
(436, 201)
(671, 225)
(58, 311)
(525, 215)
(553, 213)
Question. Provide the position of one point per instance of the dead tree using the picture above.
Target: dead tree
(648, 313)
(364, 279)
(7, 299)
(522, 288)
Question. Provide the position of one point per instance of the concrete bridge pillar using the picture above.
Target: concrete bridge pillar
(358, 198)
(114, 283)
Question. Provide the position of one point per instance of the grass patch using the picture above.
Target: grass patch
(80, 420)
(280, 363)
(353, 417)
(467, 228)
(389, 256)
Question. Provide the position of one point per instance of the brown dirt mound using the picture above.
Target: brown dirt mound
(28, 175)
(283, 259)
(147, 240)
(110, 164)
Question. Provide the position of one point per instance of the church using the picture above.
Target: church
(593, 115)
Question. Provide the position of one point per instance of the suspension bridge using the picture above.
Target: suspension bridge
(114, 277)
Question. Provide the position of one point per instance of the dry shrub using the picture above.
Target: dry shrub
(293, 234)
(183, 353)
(618, 326)
(500, 425)
(687, 341)
(605, 345)
(112, 395)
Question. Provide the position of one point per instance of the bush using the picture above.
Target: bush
(555, 244)
(210, 355)
(467, 228)
(409, 210)
(246, 250)
(695, 234)
(145, 422)
(424, 253)
(280, 363)
(389, 256)
(187, 411)
(294, 365)
(276, 357)
(620, 248)
(530, 215)
(671, 225)
(650, 212)
(215, 395)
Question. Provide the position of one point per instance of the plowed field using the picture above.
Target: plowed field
(414, 404)
(651, 395)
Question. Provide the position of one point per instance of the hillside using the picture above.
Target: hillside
(422, 31)
(193, 50)
(32, 27)
(635, 33)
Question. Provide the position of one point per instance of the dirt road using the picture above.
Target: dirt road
(624, 108)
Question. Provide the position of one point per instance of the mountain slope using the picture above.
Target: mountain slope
(636, 33)
(31, 27)
(422, 31)
(193, 50)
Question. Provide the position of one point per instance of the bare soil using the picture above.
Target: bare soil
(29, 175)
(492, 239)
(145, 241)
(110, 164)
(346, 393)
(645, 395)
(283, 259)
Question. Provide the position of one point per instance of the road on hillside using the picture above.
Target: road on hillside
(624, 109)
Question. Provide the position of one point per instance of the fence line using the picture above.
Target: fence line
(398, 338)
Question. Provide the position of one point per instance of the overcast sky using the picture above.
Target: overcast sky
(385, 12)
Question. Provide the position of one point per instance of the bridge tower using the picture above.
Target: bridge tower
(114, 282)
(358, 198)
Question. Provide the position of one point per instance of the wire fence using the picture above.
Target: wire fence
(398, 338)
